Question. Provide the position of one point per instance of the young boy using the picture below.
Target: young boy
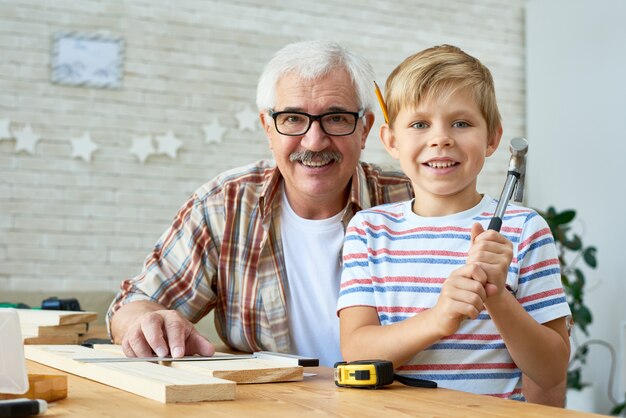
(423, 284)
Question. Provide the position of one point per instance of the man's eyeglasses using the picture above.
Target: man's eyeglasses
(332, 123)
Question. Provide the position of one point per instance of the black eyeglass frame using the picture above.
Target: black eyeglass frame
(312, 118)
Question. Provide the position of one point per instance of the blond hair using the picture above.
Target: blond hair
(439, 72)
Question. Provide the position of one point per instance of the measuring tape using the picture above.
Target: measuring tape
(373, 374)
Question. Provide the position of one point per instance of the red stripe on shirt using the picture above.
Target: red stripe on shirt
(541, 295)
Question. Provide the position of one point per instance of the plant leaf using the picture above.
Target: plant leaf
(583, 318)
(565, 217)
(576, 290)
(618, 409)
(574, 244)
(580, 277)
(589, 255)
(573, 379)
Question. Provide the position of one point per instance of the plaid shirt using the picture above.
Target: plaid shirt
(224, 251)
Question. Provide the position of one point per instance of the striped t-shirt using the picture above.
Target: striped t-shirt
(397, 261)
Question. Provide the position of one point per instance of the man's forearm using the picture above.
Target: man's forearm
(127, 314)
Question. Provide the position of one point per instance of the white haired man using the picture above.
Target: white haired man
(261, 244)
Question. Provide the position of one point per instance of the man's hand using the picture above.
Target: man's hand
(493, 253)
(145, 329)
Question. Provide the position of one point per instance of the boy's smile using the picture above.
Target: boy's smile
(441, 145)
(441, 165)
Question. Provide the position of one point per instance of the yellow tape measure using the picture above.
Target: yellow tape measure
(373, 374)
(364, 373)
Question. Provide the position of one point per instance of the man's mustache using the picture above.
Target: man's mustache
(320, 157)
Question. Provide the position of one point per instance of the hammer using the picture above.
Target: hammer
(514, 181)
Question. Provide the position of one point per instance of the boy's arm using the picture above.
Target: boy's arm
(541, 351)
(362, 336)
(551, 397)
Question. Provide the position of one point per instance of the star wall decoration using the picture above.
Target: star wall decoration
(248, 119)
(214, 132)
(142, 147)
(83, 147)
(168, 144)
(26, 140)
(5, 133)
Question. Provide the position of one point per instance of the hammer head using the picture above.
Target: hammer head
(517, 165)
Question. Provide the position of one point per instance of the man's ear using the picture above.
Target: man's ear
(266, 123)
(368, 122)
(492, 146)
(388, 139)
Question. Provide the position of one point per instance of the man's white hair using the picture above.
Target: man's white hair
(314, 59)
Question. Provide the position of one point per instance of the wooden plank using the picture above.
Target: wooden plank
(163, 384)
(48, 387)
(42, 317)
(53, 330)
(60, 339)
(242, 371)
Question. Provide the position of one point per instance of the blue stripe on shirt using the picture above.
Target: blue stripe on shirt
(385, 234)
(466, 346)
(466, 376)
(382, 289)
(544, 303)
(534, 245)
(542, 273)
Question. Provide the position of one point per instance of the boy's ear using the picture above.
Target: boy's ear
(388, 139)
(492, 146)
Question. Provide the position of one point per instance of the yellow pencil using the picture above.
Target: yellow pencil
(383, 106)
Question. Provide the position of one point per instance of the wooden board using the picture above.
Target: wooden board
(242, 371)
(61, 339)
(33, 330)
(42, 317)
(48, 387)
(163, 384)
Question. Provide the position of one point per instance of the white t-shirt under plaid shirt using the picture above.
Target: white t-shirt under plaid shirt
(397, 261)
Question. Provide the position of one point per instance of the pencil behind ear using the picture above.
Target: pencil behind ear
(381, 102)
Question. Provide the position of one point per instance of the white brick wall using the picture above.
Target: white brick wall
(69, 224)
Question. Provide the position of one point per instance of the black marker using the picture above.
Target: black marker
(15, 408)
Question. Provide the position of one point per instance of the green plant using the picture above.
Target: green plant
(571, 251)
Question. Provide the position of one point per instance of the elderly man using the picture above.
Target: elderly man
(261, 244)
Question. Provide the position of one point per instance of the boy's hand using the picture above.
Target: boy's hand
(493, 253)
(462, 297)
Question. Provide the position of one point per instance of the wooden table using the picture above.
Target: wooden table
(315, 396)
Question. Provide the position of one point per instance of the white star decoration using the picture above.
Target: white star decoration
(248, 119)
(214, 132)
(26, 140)
(142, 148)
(4, 129)
(83, 147)
(168, 144)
